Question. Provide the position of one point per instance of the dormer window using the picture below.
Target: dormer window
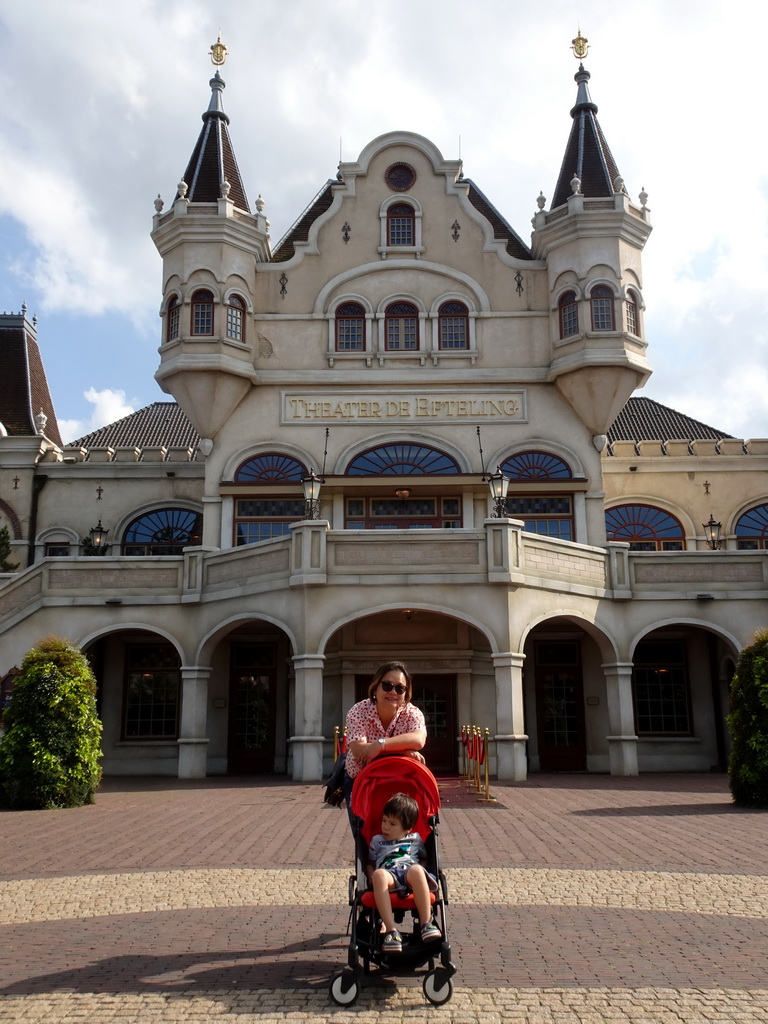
(601, 299)
(569, 315)
(401, 326)
(401, 225)
(236, 318)
(350, 327)
(202, 313)
(173, 322)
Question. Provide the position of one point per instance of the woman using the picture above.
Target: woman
(384, 723)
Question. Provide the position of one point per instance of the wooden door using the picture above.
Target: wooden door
(560, 706)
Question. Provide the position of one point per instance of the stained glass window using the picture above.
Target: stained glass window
(166, 531)
(644, 527)
(402, 460)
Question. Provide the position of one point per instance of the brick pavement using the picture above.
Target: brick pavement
(577, 899)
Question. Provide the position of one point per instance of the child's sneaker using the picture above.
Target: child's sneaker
(393, 942)
(430, 932)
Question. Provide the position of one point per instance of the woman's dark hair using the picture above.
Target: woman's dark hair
(404, 808)
(391, 666)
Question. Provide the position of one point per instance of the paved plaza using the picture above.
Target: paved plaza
(573, 900)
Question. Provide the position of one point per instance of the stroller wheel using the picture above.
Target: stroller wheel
(438, 987)
(345, 988)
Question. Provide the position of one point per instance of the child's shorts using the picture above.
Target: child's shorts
(401, 885)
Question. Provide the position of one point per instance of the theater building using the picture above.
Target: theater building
(404, 349)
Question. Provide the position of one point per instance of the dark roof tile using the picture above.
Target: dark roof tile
(642, 419)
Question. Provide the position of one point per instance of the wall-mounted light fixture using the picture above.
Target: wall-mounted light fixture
(312, 485)
(98, 536)
(498, 484)
(405, 493)
(712, 532)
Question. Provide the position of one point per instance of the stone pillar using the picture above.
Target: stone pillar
(622, 741)
(307, 741)
(510, 737)
(212, 522)
(193, 742)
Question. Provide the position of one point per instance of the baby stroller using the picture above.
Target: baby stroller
(374, 785)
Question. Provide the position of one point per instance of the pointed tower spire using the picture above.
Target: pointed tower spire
(212, 172)
(588, 165)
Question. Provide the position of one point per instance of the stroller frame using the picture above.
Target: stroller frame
(375, 784)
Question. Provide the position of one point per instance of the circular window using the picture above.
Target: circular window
(400, 177)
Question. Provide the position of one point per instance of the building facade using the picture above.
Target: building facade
(405, 347)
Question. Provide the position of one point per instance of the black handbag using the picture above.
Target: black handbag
(334, 786)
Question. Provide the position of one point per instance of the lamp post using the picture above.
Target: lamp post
(712, 532)
(311, 485)
(498, 484)
(98, 536)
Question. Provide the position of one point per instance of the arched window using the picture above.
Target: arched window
(166, 531)
(173, 321)
(569, 315)
(453, 326)
(262, 518)
(536, 466)
(271, 468)
(350, 327)
(550, 515)
(236, 318)
(401, 225)
(401, 326)
(644, 527)
(202, 313)
(633, 306)
(752, 529)
(601, 300)
(402, 460)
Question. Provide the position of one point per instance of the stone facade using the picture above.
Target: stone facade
(402, 342)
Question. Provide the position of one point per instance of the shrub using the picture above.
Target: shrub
(5, 551)
(49, 756)
(748, 722)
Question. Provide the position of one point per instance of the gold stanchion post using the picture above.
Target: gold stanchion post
(487, 798)
(335, 742)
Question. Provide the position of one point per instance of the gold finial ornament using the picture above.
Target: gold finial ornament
(580, 46)
(219, 52)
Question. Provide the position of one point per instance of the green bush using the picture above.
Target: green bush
(748, 722)
(5, 550)
(49, 756)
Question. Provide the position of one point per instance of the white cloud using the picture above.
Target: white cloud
(108, 406)
(106, 101)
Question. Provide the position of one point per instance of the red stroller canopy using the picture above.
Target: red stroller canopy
(380, 779)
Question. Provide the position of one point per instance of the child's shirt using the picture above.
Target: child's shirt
(397, 853)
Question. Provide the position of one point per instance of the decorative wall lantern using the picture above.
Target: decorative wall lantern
(712, 532)
(498, 484)
(98, 535)
(311, 485)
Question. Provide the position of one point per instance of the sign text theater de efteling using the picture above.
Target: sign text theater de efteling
(301, 407)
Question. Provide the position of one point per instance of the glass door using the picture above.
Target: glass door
(560, 707)
(252, 709)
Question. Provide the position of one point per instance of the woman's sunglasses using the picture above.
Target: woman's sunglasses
(397, 687)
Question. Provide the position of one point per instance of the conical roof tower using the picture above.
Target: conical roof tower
(587, 155)
(213, 159)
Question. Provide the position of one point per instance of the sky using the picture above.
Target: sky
(101, 106)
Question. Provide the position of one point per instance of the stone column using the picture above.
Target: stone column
(193, 742)
(622, 741)
(307, 741)
(510, 737)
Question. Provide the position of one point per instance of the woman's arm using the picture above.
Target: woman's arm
(406, 742)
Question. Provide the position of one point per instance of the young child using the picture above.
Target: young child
(396, 857)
